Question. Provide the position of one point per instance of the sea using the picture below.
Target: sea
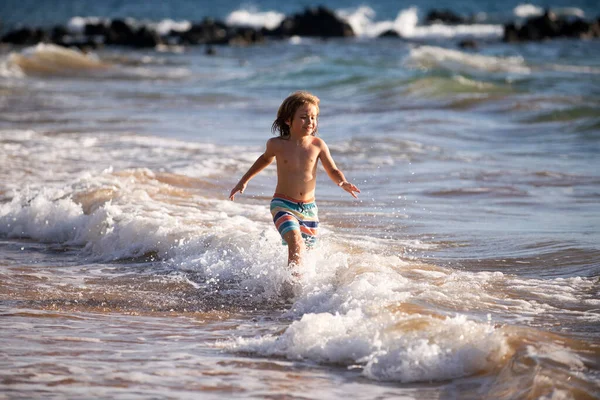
(468, 268)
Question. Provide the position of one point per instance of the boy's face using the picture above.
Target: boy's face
(304, 121)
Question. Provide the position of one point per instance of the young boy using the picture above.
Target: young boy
(297, 151)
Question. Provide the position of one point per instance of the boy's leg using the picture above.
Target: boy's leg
(296, 246)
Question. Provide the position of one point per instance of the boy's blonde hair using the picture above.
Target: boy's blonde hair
(288, 108)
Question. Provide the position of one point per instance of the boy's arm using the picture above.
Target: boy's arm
(334, 173)
(261, 163)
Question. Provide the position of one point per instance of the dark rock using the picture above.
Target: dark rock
(206, 32)
(145, 37)
(314, 22)
(468, 44)
(210, 51)
(25, 36)
(546, 26)
(58, 33)
(390, 33)
(121, 33)
(511, 33)
(595, 28)
(245, 36)
(445, 17)
(550, 26)
(580, 28)
(99, 29)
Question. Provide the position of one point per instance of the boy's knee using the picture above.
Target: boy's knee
(293, 238)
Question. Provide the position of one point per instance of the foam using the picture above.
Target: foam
(407, 25)
(363, 23)
(364, 312)
(384, 351)
(357, 303)
(77, 24)
(569, 11)
(255, 18)
(527, 10)
(165, 26)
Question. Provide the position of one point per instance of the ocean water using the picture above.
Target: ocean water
(468, 268)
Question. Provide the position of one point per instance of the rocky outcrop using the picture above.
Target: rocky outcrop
(213, 32)
(320, 22)
(25, 36)
(120, 32)
(551, 26)
(446, 17)
(312, 22)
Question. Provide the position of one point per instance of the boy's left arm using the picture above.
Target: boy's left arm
(334, 173)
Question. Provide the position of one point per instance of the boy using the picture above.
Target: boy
(297, 151)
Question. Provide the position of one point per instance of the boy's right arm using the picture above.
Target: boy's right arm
(261, 163)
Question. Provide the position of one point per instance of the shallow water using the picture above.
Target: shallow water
(468, 268)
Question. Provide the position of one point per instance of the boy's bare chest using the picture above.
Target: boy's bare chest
(294, 156)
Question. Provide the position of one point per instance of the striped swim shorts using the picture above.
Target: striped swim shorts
(291, 214)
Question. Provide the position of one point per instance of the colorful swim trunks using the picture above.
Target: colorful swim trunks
(291, 214)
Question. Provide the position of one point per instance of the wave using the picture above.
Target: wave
(454, 60)
(361, 302)
(458, 84)
(569, 114)
(50, 59)
(53, 60)
(374, 319)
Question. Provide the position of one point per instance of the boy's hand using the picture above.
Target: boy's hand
(240, 187)
(350, 188)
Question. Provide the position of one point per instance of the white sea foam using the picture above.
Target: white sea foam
(363, 312)
(357, 304)
(458, 31)
(530, 10)
(255, 18)
(362, 20)
(364, 23)
(405, 349)
(167, 25)
(77, 25)
(569, 11)
(527, 10)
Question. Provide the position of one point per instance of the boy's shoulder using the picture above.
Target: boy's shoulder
(317, 141)
(274, 141)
